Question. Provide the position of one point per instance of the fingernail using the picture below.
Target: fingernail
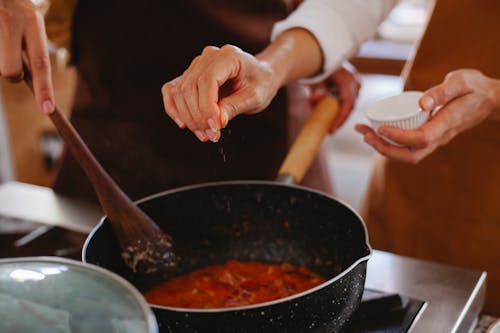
(212, 135)
(47, 107)
(211, 124)
(200, 135)
(427, 103)
(358, 129)
(179, 122)
(224, 119)
(383, 132)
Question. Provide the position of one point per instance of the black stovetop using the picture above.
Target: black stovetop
(385, 312)
(378, 311)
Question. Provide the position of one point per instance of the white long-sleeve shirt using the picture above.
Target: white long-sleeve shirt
(340, 26)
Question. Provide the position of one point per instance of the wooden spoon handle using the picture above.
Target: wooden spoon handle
(308, 142)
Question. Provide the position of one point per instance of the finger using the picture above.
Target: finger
(185, 115)
(38, 55)
(189, 89)
(245, 100)
(11, 53)
(348, 86)
(416, 139)
(387, 131)
(363, 129)
(182, 111)
(344, 111)
(208, 95)
(221, 70)
(200, 119)
(437, 130)
(169, 105)
(400, 153)
(347, 99)
(189, 93)
(454, 86)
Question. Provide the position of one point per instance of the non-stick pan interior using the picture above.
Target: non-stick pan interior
(259, 221)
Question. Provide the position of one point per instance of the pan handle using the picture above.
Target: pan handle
(309, 140)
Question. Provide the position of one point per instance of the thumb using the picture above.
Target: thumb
(245, 100)
(443, 93)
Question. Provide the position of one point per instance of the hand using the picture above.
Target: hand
(346, 79)
(22, 26)
(466, 98)
(223, 83)
(219, 84)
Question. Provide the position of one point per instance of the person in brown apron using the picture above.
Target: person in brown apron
(124, 52)
(445, 208)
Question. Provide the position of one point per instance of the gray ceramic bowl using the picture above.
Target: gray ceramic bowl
(48, 294)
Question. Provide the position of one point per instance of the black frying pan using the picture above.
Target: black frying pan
(258, 221)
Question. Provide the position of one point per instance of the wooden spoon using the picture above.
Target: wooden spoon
(145, 248)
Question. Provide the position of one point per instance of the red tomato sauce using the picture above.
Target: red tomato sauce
(233, 284)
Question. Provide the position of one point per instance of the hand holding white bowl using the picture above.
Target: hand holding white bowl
(465, 99)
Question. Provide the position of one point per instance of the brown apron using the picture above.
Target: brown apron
(446, 208)
(124, 51)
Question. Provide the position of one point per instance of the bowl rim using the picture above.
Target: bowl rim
(149, 317)
(379, 118)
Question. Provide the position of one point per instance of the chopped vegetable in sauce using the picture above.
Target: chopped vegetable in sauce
(233, 284)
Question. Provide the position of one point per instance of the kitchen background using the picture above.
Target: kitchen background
(29, 145)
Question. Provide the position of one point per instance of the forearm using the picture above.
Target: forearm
(294, 54)
(339, 26)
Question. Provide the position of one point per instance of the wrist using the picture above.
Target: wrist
(495, 98)
(294, 54)
(277, 58)
(497, 95)
(277, 73)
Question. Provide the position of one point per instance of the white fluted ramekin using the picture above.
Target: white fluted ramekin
(401, 111)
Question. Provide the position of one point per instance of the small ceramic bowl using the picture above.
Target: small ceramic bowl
(401, 111)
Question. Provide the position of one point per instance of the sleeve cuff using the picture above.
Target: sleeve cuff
(327, 27)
